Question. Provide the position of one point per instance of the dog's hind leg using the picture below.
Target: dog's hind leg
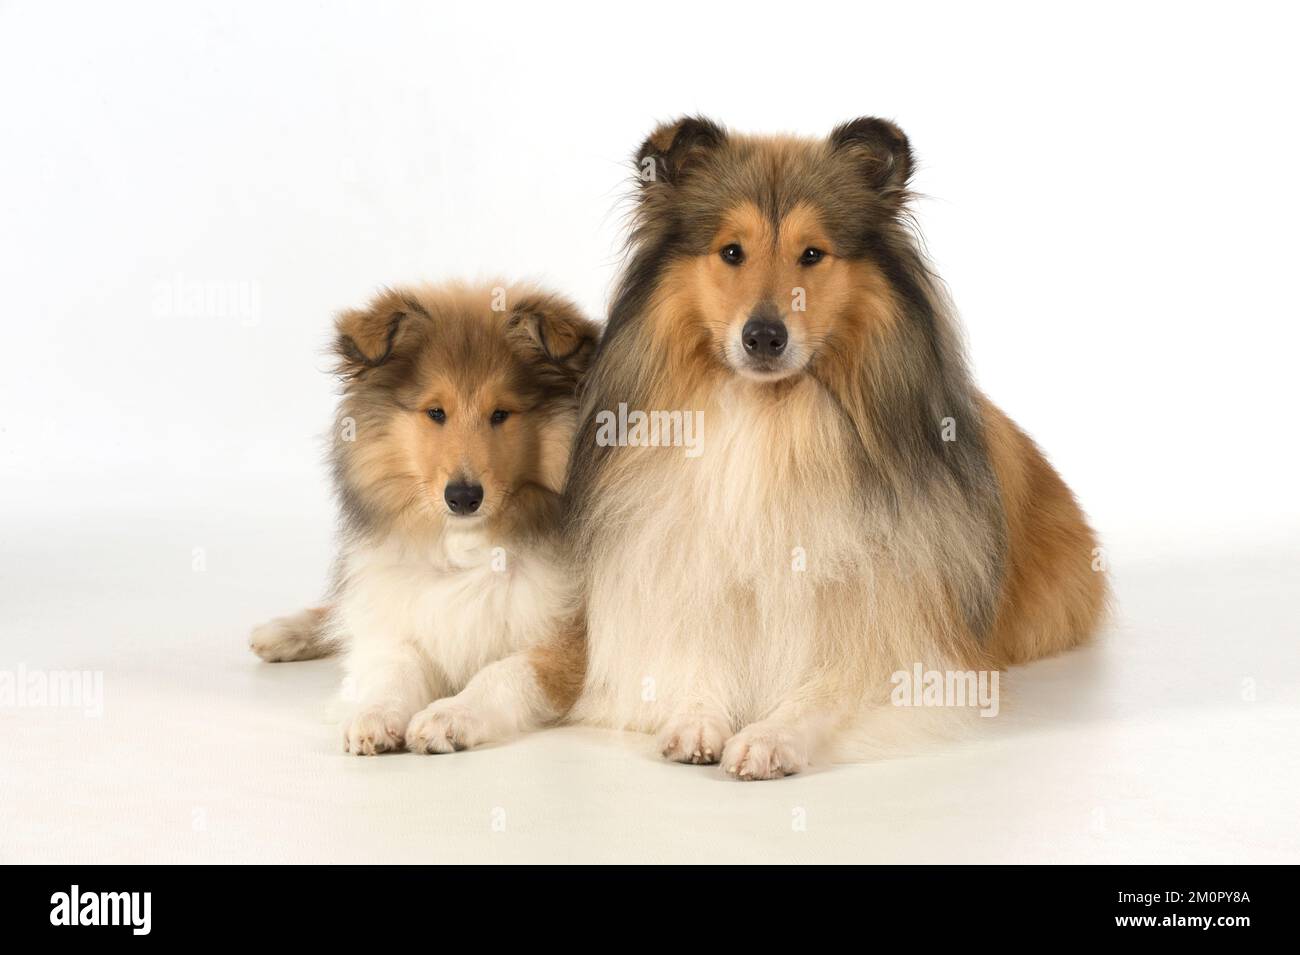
(299, 636)
(520, 693)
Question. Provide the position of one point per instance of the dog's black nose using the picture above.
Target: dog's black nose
(463, 498)
(764, 337)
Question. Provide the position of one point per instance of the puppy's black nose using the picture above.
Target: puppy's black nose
(764, 337)
(462, 498)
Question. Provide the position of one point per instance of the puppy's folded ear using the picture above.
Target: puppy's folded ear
(675, 148)
(882, 150)
(549, 329)
(369, 337)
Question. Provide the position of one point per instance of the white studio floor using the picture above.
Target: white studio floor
(1175, 739)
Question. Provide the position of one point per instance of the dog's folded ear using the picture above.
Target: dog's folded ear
(550, 329)
(675, 148)
(368, 337)
(881, 148)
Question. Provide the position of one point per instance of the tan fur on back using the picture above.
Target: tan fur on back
(1053, 596)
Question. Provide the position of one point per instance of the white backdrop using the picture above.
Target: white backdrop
(188, 192)
(1112, 199)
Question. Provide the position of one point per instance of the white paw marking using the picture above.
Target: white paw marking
(280, 640)
(694, 739)
(763, 751)
(444, 726)
(373, 731)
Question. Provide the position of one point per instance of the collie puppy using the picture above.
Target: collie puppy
(852, 507)
(450, 448)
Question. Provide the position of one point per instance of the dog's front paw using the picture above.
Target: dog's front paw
(372, 731)
(444, 727)
(694, 739)
(763, 751)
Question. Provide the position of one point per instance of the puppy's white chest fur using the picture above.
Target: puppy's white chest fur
(461, 600)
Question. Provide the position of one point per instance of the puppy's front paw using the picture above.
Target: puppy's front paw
(444, 727)
(694, 739)
(373, 731)
(763, 751)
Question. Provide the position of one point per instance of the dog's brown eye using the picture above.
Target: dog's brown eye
(438, 415)
(498, 416)
(811, 256)
(732, 254)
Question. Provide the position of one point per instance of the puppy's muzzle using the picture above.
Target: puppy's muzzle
(764, 339)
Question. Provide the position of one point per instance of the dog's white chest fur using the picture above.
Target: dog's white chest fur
(707, 576)
(460, 601)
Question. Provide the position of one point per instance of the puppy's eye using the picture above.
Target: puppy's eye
(811, 256)
(438, 415)
(499, 416)
(732, 254)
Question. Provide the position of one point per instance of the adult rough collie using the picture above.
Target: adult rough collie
(855, 506)
(449, 449)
